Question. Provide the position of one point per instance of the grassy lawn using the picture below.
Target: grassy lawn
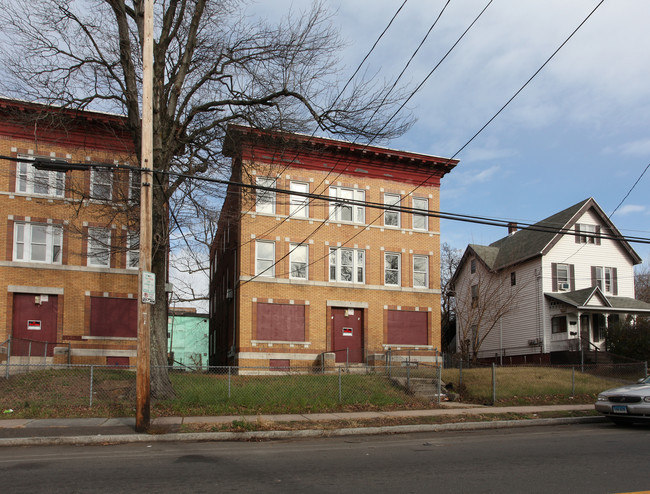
(67, 392)
(528, 385)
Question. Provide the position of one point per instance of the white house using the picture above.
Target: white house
(546, 290)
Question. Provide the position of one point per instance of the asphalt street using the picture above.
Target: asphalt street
(592, 458)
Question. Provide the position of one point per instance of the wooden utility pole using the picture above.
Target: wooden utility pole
(143, 373)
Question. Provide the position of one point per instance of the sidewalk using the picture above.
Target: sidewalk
(22, 432)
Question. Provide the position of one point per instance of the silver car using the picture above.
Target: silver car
(626, 404)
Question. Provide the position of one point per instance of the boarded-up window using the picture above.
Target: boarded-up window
(116, 317)
(280, 322)
(407, 327)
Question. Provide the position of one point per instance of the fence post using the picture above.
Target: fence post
(8, 358)
(439, 385)
(460, 372)
(494, 384)
(347, 357)
(45, 354)
(229, 381)
(390, 363)
(408, 375)
(29, 354)
(92, 367)
(573, 381)
(340, 393)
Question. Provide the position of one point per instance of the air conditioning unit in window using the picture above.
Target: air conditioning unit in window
(564, 286)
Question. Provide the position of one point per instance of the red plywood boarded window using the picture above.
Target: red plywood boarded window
(279, 363)
(280, 322)
(115, 317)
(408, 327)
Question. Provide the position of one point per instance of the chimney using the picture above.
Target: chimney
(512, 228)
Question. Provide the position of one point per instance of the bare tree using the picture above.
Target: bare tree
(642, 282)
(482, 300)
(449, 261)
(213, 65)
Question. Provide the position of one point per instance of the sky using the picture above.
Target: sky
(579, 129)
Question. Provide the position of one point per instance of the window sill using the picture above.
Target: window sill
(112, 338)
(270, 343)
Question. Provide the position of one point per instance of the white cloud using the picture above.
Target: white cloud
(631, 209)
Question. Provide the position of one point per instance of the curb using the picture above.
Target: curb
(307, 433)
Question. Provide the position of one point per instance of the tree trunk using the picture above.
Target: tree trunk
(161, 386)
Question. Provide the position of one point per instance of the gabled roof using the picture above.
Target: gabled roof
(580, 298)
(539, 238)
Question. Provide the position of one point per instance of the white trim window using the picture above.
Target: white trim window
(604, 277)
(134, 185)
(420, 221)
(133, 250)
(420, 271)
(265, 198)
(563, 284)
(347, 265)
(265, 258)
(341, 210)
(99, 247)
(391, 218)
(392, 269)
(587, 234)
(299, 205)
(299, 262)
(101, 184)
(36, 242)
(29, 180)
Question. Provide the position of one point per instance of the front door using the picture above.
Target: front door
(347, 334)
(34, 323)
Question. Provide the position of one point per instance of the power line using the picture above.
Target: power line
(483, 220)
(631, 189)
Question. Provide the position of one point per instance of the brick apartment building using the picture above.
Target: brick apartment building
(68, 266)
(294, 276)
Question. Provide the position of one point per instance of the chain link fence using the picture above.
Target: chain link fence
(39, 390)
(491, 384)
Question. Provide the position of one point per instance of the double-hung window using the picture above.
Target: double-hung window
(420, 271)
(603, 278)
(299, 205)
(587, 234)
(265, 198)
(35, 242)
(298, 258)
(391, 218)
(420, 220)
(99, 247)
(133, 250)
(101, 184)
(343, 210)
(347, 265)
(563, 277)
(134, 186)
(392, 267)
(265, 258)
(29, 180)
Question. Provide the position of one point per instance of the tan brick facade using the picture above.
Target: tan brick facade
(89, 138)
(234, 254)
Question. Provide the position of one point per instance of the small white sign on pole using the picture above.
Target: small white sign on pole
(148, 288)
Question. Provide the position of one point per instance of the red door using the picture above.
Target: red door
(347, 333)
(34, 321)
